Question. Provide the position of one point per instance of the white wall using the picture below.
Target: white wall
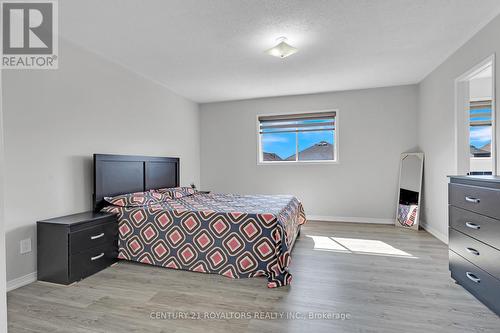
(3, 295)
(436, 123)
(375, 126)
(480, 89)
(55, 120)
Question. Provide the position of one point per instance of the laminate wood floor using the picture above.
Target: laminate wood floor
(379, 278)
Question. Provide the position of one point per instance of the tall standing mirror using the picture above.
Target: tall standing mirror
(410, 187)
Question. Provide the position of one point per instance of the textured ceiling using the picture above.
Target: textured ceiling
(213, 50)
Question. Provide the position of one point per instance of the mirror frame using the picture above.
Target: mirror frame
(416, 226)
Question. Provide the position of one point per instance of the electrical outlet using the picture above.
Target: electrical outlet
(26, 245)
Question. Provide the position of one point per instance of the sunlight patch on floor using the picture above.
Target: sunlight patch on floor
(358, 246)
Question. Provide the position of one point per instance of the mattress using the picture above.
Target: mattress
(238, 236)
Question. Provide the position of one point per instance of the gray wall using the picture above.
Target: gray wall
(375, 126)
(54, 122)
(436, 124)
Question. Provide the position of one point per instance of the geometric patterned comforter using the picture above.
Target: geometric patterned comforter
(237, 236)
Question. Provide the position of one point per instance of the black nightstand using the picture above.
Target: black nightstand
(73, 247)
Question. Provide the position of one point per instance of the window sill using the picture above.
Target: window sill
(296, 162)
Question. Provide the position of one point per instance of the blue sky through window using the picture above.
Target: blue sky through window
(282, 144)
(480, 135)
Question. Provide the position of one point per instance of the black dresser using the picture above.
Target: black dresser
(70, 248)
(474, 236)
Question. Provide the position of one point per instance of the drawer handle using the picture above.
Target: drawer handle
(472, 225)
(472, 200)
(97, 257)
(472, 277)
(97, 236)
(473, 251)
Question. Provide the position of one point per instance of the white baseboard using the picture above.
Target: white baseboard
(434, 232)
(21, 281)
(442, 237)
(350, 219)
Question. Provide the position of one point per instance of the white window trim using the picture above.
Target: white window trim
(461, 152)
(336, 139)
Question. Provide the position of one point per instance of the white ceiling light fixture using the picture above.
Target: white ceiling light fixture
(282, 49)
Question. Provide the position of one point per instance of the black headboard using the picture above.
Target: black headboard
(120, 174)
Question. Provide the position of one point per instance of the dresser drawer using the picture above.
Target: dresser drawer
(479, 283)
(485, 201)
(91, 261)
(480, 254)
(483, 228)
(105, 233)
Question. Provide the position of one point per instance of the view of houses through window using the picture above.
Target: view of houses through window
(298, 137)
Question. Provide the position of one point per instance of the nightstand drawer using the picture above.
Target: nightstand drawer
(479, 283)
(480, 254)
(91, 261)
(105, 233)
(481, 200)
(483, 228)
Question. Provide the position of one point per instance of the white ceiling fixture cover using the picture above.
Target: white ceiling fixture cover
(282, 49)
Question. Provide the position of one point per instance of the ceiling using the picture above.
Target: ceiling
(213, 50)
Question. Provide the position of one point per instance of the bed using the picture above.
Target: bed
(237, 236)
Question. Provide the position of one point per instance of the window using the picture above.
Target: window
(480, 137)
(303, 137)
